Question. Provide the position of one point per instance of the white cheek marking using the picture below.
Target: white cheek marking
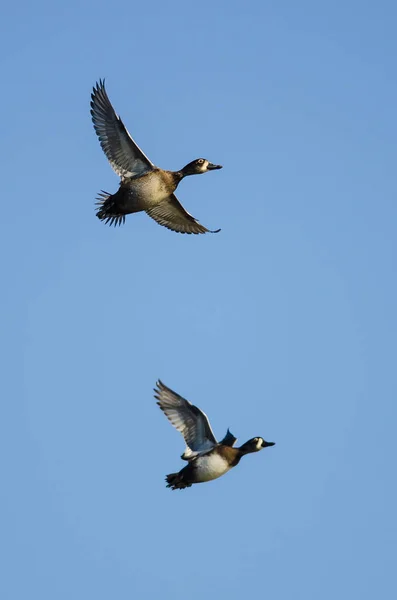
(259, 444)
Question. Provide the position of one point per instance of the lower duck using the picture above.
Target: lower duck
(207, 458)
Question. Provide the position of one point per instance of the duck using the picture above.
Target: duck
(207, 459)
(143, 186)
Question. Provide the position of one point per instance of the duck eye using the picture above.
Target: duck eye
(255, 440)
(200, 161)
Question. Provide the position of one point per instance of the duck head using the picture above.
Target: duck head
(199, 166)
(254, 445)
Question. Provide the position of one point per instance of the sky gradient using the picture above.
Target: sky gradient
(282, 326)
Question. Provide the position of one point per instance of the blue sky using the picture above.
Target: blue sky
(283, 325)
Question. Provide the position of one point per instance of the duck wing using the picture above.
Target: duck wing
(171, 214)
(229, 439)
(125, 157)
(192, 422)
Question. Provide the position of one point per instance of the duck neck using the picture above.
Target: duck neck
(178, 175)
(244, 449)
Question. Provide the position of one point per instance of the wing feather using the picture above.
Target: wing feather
(124, 155)
(171, 214)
(189, 420)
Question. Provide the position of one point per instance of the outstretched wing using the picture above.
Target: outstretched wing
(186, 418)
(125, 157)
(171, 214)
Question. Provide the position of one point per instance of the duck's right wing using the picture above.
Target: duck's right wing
(171, 214)
(186, 418)
(125, 157)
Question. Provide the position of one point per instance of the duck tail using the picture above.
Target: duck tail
(107, 209)
(175, 481)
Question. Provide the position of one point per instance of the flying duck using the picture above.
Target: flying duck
(207, 459)
(143, 187)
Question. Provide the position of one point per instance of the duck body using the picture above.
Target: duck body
(137, 194)
(148, 190)
(143, 186)
(207, 458)
(204, 468)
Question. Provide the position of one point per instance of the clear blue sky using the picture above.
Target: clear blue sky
(283, 325)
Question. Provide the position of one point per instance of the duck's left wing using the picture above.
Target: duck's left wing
(124, 155)
(188, 419)
(171, 214)
(229, 439)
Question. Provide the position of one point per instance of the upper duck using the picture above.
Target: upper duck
(207, 458)
(143, 186)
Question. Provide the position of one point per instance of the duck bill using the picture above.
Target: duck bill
(267, 444)
(212, 167)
